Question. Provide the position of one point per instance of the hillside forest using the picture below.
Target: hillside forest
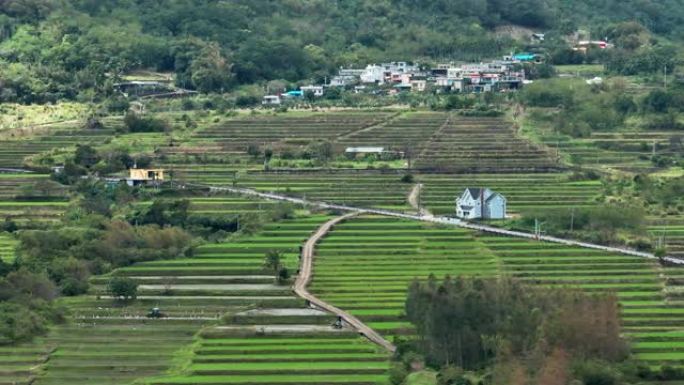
(59, 49)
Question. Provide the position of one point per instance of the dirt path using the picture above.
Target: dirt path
(435, 135)
(305, 276)
(415, 201)
(385, 122)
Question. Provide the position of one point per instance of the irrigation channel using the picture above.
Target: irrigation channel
(306, 270)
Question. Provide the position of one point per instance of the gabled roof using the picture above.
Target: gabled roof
(474, 191)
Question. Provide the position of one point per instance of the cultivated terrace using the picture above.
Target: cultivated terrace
(309, 192)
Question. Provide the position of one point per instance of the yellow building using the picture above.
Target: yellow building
(138, 176)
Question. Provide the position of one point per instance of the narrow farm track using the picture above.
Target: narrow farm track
(440, 220)
(384, 123)
(305, 275)
(414, 200)
(435, 135)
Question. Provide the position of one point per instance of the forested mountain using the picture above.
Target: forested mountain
(51, 49)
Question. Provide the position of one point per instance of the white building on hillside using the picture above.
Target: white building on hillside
(373, 74)
(481, 203)
(316, 90)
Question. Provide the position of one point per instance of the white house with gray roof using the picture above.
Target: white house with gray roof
(480, 203)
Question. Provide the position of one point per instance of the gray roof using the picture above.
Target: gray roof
(474, 191)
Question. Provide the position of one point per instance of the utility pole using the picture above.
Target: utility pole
(420, 203)
(665, 76)
(572, 220)
(537, 229)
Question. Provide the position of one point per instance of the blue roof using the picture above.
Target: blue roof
(294, 93)
(524, 56)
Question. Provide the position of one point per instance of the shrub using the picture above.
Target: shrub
(407, 178)
(122, 288)
(283, 275)
(19, 323)
(397, 374)
(596, 373)
(134, 123)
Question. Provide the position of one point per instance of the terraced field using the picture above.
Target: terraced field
(283, 355)
(483, 145)
(648, 293)
(367, 189)
(523, 191)
(7, 246)
(14, 151)
(20, 203)
(278, 131)
(625, 151)
(247, 324)
(386, 190)
(669, 228)
(365, 265)
(412, 129)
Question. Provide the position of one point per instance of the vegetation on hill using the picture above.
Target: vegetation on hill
(512, 333)
(52, 49)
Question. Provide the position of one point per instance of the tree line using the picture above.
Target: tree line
(51, 50)
(503, 331)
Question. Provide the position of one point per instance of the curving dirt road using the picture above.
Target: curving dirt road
(305, 276)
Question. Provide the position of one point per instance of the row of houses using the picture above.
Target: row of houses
(395, 77)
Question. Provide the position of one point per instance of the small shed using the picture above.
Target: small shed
(364, 150)
(481, 203)
(271, 100)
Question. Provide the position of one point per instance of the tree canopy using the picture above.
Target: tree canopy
(51, 49)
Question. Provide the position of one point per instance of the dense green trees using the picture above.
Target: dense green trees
(77, 49)
(515, 330)
(26, 307)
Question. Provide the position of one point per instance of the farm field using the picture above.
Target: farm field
(436, 141)
(648, 293)
(628, 150)
(366, 189)
(411, 130)
(14, 151)
(523, 191)
(224, 321)
(28, 201)
(7, 246)
(669, 228)
(386, 190)
(465, 144)
(25, 117)
(365, 264)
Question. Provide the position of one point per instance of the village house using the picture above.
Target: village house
(481, 203)
(373, 74)
(144, 176)
(316, 90)
(584, 45)
(271, 100)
